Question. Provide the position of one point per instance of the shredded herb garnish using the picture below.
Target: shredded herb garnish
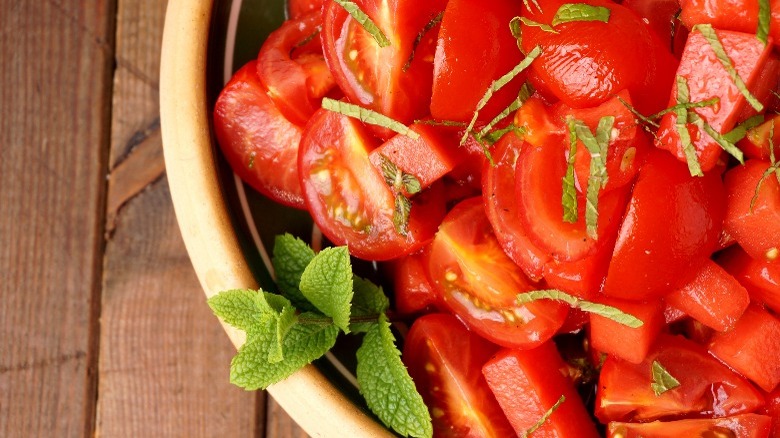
(681, 124)
(546, 416)
(401, 183)
(740, 131)
(431, 24)
(493, 136)
(727, 146)
(569, 12)
(499, 84)
(364, 20)
(569, 195)
(526, 91)
(712, 38)
(597, 147)
(686, 106)
(773, 168)
(764, 17)
(609, 312)
(434, 122)
(662, 380)
(366, 115)
(528, 22)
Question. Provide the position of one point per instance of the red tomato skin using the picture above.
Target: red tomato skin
(735, 15)
(298, 8)
(738, 426)
(713, 297)
(757, 230)
(671, 226)
(381, 81)
(479, 283)
(412, 289)
(587, 62)
(498, 192)
(445, 360)
(629, 344)
(660, 16)
(752, 347)
(474, 48)
(756, 142)
(349, 200)
(707, 79)
(526, 385)
(254, 137)
(428, 158)
(760, 278)
(772, 409)
(296, 86)
(582, 278)
(707, 387)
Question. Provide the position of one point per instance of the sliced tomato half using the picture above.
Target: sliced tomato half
(738, 426)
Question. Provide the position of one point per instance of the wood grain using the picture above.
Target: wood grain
(54, 96)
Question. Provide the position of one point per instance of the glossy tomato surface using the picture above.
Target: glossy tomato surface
(479, 283)
(738, 426)
(445, 360)
(349, 199)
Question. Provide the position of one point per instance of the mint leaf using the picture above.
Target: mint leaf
(544, 417)
(354, 10)
(291, 255)
(712, 38)
(251, 369)
(569, 12)
(662, 380)
(764, 17)
(610, 312)
(681, 125)
(286, 320)
(327, 283)
(385, 384)
(237, 307)
(366, 115)
(569, 196)
(368, 302)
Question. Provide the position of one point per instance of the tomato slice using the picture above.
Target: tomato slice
(760, 278)
(671, 226)
(740, 16)
(298, 8)
(479, 283)
(738, 426)
(445, 360)
(526, 385)
(756, 229)
(586, 62)
(707, 387)
(538, 184)
(255, 137)
(475, 47)
(378, 77)
(294, 72)
(349, 200)
(752, 347)
(412, 290)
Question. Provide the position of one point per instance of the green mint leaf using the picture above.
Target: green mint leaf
(499, 84)
(354, 10)
(764, 17)
(569, 12)
(286, 320)
(662, 380)
(303, 343)
(681, 125)
(569, 196)
(366, 115)
(526, 91)
(401, 210)
(327, 283)
(712, 38)
(609, 312)
(727, 146)
(431, 24)
(237, 307)
(385, 383)
(740, 131)
(546, 416)
(291, 255)
(597, 147)
(410, 183)
(369, 302)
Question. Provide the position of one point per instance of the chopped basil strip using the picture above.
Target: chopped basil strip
(569, 196)
(366, 115)
(681, 124)
(603, 310)
(662, 380)
(431, 24)
(597, 147)
(499, 84)
(544, 417)
(526, 91)
(686, 105)
(764, 17)
(354, 10)
(727, 146)
(712, 38)
(569, 12)
(740, 131)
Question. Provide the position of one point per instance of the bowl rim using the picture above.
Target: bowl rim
(205, 224)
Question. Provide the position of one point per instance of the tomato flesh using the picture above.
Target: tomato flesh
(738, 426)
(759, 277)
(413, 291)
(736, 15)
(619, 340)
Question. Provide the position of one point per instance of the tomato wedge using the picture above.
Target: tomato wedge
(445, 360)
(349, 200)
(738, 426)
(479, 283)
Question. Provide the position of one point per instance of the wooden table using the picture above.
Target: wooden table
(103, 327)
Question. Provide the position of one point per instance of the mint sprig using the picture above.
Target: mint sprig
(281, 338)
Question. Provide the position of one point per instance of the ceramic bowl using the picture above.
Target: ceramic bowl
(226, 226)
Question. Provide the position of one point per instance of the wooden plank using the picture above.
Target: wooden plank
(54, 101)
(279, 424)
